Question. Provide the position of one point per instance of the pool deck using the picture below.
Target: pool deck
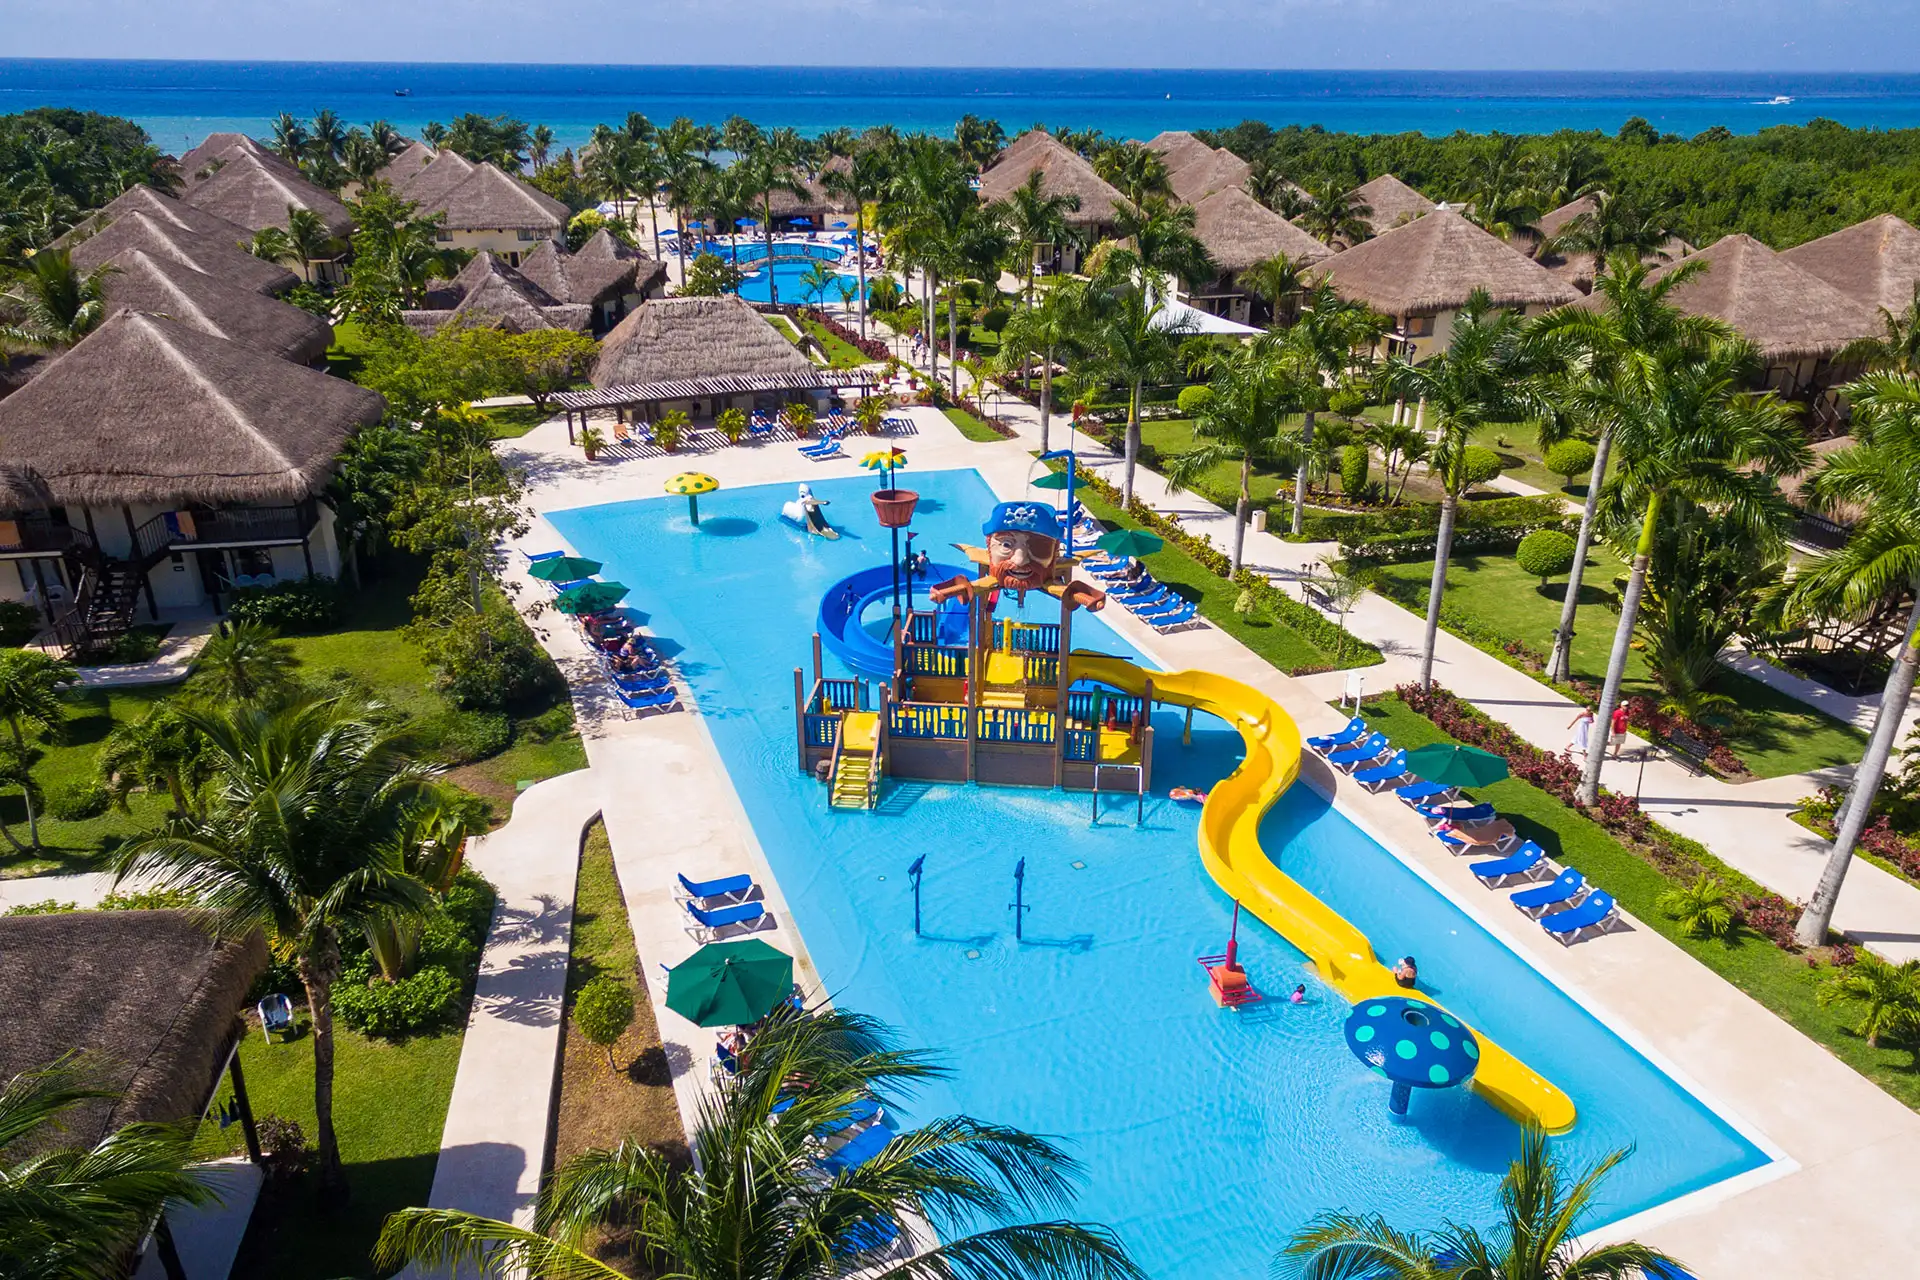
(1835, 1202)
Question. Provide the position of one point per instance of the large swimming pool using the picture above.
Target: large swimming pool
(1207, 1136)
(752, 256)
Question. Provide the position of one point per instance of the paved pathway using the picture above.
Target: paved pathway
(493, 1149)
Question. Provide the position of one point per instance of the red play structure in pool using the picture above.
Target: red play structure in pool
(1225, 978)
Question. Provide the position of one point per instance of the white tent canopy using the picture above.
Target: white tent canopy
(1178, 316)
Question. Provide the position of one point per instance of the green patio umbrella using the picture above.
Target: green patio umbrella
(565, 569)
(591, 597)
(1122, 543)
(1053, 480)
(1453, 765)
(729, 984)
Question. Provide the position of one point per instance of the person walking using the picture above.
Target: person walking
(1581, 727)
(1618, 736)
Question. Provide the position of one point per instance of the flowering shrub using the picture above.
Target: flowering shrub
(1767, 914)
(871, 348)
(1644, 714)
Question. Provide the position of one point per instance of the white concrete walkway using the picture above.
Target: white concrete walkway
(492, 1151)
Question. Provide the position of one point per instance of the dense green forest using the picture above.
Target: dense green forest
(1782, 186)
(57, 164)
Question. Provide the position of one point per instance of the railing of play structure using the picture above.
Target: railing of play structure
(821, 730)
(1098, 705)
(923, 628)
(1082, 744)
(927, 720)
(1016, 724)
(840, 695)
(1041, 668)
(930, 660)
(1026, 637)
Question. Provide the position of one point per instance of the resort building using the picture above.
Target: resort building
(602, 273)
(211, 254)
(1391, 203)
(195, 468)
(1799, 322)
(407, 162)
(1238, 231)
(1577, 269)
(1177, 149)
(814, 211)
(1421, 273)
(218, 149)
(254, 194)
(491, 294)
(143, 282)
(1221, 171)
(481, 205)
(1876, 262)
(1062, 171)
(699, 356)
(164, 209)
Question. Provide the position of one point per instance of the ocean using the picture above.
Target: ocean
(179, 103)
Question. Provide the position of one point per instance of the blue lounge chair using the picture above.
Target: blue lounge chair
(1568, 886)
(1593, 912)
(857, 1150)
(1375, 746)
(861, 1111)
(1460, 815)
(1143, 592)
(1518, 863)
(534, 557)
(1356, 729)
(1178, 618)
(867, 1237)
(710, 923)
(665, 701)
(1383, 775)
(724, 887)
(276, 1014)
(1418, 793)
(725, 1061)
(1174, 604)
(1159, 601)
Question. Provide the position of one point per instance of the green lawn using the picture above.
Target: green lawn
(1782, 982)
(67, 759)
(841, 354)
(971, 427)
(1518, 445)
(390, 1105)
(512, 421)
(785, 328)
(1279, 644)
(1778, 734)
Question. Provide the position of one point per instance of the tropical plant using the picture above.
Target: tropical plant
(1280, 281)
(1036, 218)
(1500, 187)
(928, 202)
(30, 697)
(1897, 348)
(871, 414)
(683, 168)
(772, 163)
(1333, 213)
(1537, 1238)
(159, 751)
(1888, 996)
(1163, 238)
(710, 277)
(1544, 553)
(1478, 379)
(819, 277)
(1635, 328)
(244, 662)
(1688, 429)
(671, 428)
(593, 440)
(1325, 336)
(1879, 475)
(1131, 342)
(1254, 390)
(1700, 907)
(1135, 170)
(289, 137)
(1568, 458)
(1616, 225)
(797, 417)
(1706, 577)
(429, 842)
(978, 141)
(69, 1212)
(603, 1010)
(53, 304)
(1050, 330)
(297, 842)
(860, 181)
(753, 1201)
(498, 139)
(731, 424)
(309, 239)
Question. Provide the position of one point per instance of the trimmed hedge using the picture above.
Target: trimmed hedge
(1412, 533)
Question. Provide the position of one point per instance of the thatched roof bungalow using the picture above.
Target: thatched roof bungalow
(1577, 269)
(1177, 149)
(255, 195)
(431, 181)
(1220, 171)
(603, 274)
(406, 163)
(212, 255)
(1422, 272)
(160, 286)
(148, 996)
(486, 208)
(489, 293)
(1391, 203)
(219, 149)
(1876, 262)
(1238, 231)
(1062, 172)
(163, 209)
(151, 439)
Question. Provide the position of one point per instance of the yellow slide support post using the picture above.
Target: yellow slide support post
(1230, 850)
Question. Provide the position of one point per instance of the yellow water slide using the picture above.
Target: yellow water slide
(1230, 849)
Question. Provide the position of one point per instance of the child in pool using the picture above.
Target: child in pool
(1299, 995)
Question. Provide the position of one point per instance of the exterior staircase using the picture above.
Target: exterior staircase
(102, 610)
(855, 782)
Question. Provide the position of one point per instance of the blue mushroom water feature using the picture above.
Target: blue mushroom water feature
(1413, 1044)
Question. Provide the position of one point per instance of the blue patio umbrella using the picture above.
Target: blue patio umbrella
(839, 224)
(1415, 1045)
(746, 222)
(799, 222)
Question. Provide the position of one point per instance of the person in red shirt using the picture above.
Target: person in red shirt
(1619, 727)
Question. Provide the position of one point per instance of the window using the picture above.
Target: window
(444, 237)
(1418, 326)
(525, 235)
(253, 561)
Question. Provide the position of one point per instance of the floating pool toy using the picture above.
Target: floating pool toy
(805, 512)
(1414, 1044)
(1187, 795)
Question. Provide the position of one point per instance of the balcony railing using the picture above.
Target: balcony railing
(227, 527)
(29, 536)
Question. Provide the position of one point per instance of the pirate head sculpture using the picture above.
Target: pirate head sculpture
(1022, 554)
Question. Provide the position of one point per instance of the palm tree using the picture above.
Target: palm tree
(363, 158)
(1272, 188)
(1049, 330)
(1686, 428)
(289, 137)
(1476, 380)
(326, 136)
(30, 686)
(1324, 336)
(1617, 224)
(1890, 994)
(386, 137)
(244, 662)
(1566, 170)
(1334, 213)
(682, 170)
(430, 844)
(860, 181)
(309, 238)
(928, 202)
(1280, 280)
(1254, 389)
(298, 842)
(979, 141)
(1880, 475)
(54, 304)
(1136, 170)
(158, 751)
(1636, 326)
(1898, 348)
(754, 1202)
(69, 1212)
(1498, 181)
(1131, 342)
(774, 165)
(1163, 239)
(1036, 218)
(540, 146)
(1536, 1238)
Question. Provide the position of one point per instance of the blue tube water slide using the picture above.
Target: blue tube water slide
(848, 599)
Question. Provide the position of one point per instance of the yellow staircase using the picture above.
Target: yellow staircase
(854, 783)
(1005, 683)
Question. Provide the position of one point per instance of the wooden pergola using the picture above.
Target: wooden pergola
(629, 397)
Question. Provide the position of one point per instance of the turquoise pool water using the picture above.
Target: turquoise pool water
(751, 255)
(1206, 1136)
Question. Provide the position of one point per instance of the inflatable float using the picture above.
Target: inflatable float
(805, 511)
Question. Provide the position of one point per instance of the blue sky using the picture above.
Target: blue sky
(1805, 35)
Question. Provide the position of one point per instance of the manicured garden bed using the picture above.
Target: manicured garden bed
(971, 426)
